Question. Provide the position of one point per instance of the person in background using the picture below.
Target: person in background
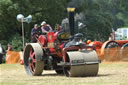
(1, 53)
(45, 27)
(9, 47)
(58, 28)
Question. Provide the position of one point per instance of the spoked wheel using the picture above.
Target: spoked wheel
(82, 64)
(33, 62)
(111, 44)
(124, 52)
(112, 50)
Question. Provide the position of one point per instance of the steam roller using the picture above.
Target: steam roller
(64, 52)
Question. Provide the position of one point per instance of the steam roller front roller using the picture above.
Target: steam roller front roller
(82, 63)
(33, 59)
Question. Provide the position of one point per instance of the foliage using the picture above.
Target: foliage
(4, 44)
(50, 11)
(17, 43)
(98, 23)
(100, 16)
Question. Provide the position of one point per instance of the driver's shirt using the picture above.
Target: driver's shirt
(35, 31)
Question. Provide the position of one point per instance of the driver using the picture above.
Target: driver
(35, 32)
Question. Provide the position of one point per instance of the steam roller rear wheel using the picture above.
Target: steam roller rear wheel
(33, 59)
(82, 64)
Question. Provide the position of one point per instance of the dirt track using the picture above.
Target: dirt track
(109, 74)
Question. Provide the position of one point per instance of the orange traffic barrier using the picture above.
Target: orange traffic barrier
(13, 57)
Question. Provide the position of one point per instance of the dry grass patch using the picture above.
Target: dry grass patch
(110, 73)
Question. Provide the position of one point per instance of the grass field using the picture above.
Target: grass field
(115, 73)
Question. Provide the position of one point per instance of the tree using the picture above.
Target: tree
(98, 23)
(99, 16)
(42, 10)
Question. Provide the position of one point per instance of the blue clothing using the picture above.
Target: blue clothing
(46, 28)
(38, 31)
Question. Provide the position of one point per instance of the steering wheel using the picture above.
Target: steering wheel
(35, 34)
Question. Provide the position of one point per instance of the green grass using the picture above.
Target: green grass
(109, 74)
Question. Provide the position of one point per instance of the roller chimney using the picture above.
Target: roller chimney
(71, 11)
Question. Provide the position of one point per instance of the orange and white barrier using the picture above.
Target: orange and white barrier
(13, 57)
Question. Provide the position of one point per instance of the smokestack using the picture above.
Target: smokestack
(71, 20)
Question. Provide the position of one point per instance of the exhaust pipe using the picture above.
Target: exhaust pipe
(71, 20)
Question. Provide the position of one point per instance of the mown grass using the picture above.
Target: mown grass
(109, 74)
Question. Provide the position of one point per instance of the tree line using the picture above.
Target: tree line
(99, 17)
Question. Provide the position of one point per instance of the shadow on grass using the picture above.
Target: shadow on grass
(103, 75)
(54, 74)
(99, 75)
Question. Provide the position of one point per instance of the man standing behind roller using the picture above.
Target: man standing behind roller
(1, 53)
(45, 27)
